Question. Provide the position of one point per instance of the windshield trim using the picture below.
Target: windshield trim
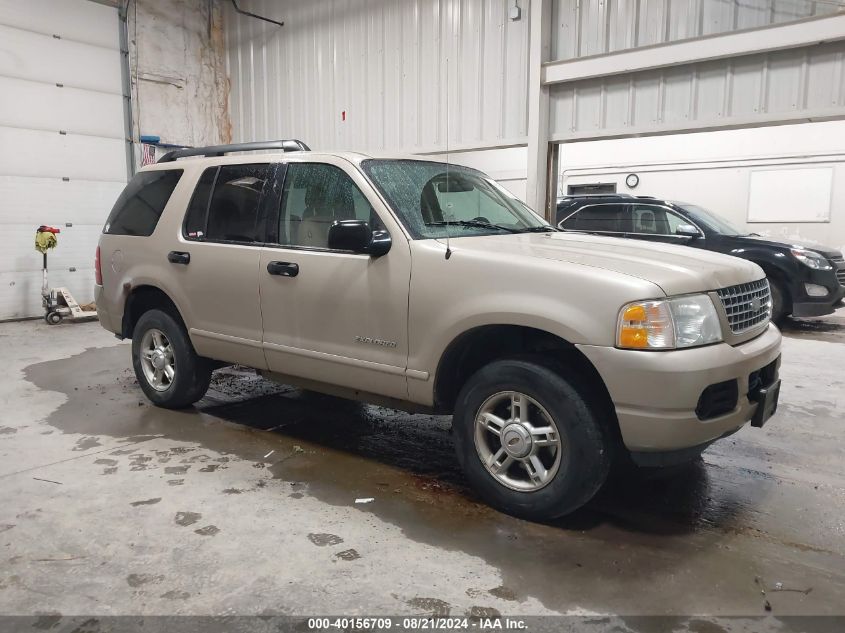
(412, 231)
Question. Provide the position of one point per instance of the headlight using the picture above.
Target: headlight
(811, 258)
(673, 323)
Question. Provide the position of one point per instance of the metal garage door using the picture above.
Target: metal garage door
(62, 142)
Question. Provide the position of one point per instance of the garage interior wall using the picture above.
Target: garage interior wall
(371, 75)
(751, 87)
(715, 170)
(180, 89)
(62, 133)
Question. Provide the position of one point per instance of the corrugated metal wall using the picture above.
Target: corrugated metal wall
(593, 27)
(804, 82)
(384, 64)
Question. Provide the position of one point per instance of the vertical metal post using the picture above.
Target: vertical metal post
(539, 51)
(123, 25)
(551, 182)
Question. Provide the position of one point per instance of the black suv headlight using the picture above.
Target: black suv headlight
(812, 259)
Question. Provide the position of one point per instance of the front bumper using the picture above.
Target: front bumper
(803, 305)
(656, 393)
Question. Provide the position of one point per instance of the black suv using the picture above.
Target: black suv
(805, 280)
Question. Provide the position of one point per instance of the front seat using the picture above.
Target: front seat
(317, 217)
(647, 223)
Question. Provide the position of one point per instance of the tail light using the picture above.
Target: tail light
(98, 271)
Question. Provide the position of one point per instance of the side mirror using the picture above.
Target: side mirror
(357, 237)
(687, 230)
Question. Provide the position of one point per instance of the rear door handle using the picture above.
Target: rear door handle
(179, 257)
(283, 269)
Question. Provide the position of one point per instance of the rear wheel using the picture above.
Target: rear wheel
(528, 439)
(170, 372)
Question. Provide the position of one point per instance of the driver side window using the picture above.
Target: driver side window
(315, 195)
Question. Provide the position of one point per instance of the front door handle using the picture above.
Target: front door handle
(283, 269)
(179, 257)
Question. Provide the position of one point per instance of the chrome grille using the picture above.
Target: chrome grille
(839, 264)
(747, 305)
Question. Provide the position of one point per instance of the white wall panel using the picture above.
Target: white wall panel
(782, 86)
(40, 106)
(790, 194)
(86, 22)
(594, 27)
(37, 57)
(77, 245)
(49, 133)
(34, 201)
(396, 69)
(37, 153)
(716, 170)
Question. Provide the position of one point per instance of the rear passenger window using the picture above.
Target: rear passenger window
(232, 213)
(608, 218)
(198, 209)
(139, 207)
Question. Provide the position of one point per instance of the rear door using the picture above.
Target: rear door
(216, 262)
(605, 218)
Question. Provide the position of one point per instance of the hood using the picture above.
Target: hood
(675, 269)
(827, 251)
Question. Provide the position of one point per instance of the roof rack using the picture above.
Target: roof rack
(572, 196)
(287, 145)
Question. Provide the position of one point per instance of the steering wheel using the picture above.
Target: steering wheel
(481, 218)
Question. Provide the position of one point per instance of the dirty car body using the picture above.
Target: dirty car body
(427, 286)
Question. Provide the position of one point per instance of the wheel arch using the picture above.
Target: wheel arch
(781, 277)
(142, 299)
(476, 347)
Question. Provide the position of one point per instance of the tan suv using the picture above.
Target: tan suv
(427, 286)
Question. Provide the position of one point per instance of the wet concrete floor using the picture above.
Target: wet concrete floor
(246, 504)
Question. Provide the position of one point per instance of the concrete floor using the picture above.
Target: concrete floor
(247, 504)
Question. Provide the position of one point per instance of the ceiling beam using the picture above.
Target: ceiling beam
(747, 42)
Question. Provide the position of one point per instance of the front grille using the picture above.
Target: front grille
(839, 264)
(747, 305)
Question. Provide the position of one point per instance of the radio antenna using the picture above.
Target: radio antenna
(447, 211)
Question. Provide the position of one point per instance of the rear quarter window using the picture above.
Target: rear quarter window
(139, 207)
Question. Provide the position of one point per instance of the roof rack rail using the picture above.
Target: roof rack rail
(571, 196)
(287, 145)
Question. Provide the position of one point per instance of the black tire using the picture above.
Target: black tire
(193, 372)
(586, 445)
(781, 306)
(53, 318)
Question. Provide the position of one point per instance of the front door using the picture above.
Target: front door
(656, 223)
(333, 316)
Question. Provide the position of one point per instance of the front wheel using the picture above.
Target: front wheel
(528, 440)
(170, 372)
(779, 301)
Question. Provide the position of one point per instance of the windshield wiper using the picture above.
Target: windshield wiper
(474, 223)
(548, 228)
